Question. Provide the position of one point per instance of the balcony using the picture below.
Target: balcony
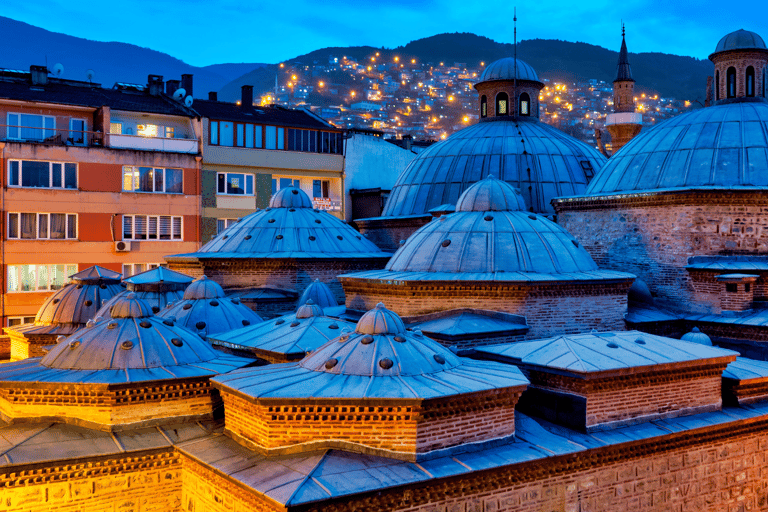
(174, 145)
(326, 203)
(50, 136)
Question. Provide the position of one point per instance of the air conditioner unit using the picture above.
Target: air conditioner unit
(122, 246)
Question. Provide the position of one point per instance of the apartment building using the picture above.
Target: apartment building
(250, 152)
(93, 176)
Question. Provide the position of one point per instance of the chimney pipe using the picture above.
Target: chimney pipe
(246, 95)
(213, 96)
(171, 86)
(38, 75)
(155, 84)
(708, 100)
(186, 83)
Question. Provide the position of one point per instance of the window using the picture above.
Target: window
(77, 132)
(226, 135)
(148, 179)
(731, 287)
(169, 132)
(214, 133)
(31, 127)
(146, 130)
(483, 106)
(240, 135)
(271, 137)
(321, 188)
(313, 141)
(222, 224)
(151, 227)
(750, 81)
(37, 174)
(42, 226)
(731, 82)
(116, 128)
(502, 100)
(235, 183)
(131, 269)
(18, 320)
(33, 278)
(525, 104)
(717, 85)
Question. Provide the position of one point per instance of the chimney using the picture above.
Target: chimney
(708, 100)
(155, 85)
(186, 83)
(171, 86)
(38, 75)
(246, 95)
(213, 96)
(408, 141)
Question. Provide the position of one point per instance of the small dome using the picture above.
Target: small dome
(696, 336)
(78, 301)
(309, 309)
(488, 195)
(639, 293)
(203, 288)
(290, 197)
(319, 293)
(130, 306)
(740, 40)
(504, 69)
(380, 320)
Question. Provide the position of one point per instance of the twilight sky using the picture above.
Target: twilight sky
(202, 32)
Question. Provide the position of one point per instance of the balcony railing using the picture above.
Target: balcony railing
(154, 143)
(326, 203)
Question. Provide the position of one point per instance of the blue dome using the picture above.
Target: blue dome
(504, 69)
(290, 197)
(723, 146)
(740, 40)
(507, 149)
(488, 195)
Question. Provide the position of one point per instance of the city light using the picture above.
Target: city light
(321, 84)
(293, 77)
(282, 65)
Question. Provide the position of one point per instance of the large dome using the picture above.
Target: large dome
(504, 69)
(717, 147)
(289, 228)
(478, 240)
(540, 160)
(740, 40)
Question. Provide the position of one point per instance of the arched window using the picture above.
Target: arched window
(483, 106)
(765, 75)
(731, 82)
(502, 104)
(717, 85)
(750, 77)
(525, 104)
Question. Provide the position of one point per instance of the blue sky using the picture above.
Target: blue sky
(203, 32)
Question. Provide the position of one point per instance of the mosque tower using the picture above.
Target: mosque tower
(624, 123)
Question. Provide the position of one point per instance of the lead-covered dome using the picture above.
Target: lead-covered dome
(476, 240)
(289, 228)
(504, 69)
(718, 147)
(538, 159)
(740, 40)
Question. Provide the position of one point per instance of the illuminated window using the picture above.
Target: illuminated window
(525, 104)
(731, 81)
(146, 130)
(33, 278)
(169, 132)
(232, 183)
(116, 128)
(152, 227)
(483, 106)
(750, 81)
(502, 101)
(148, 179)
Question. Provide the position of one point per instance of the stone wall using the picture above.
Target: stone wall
(550, 309)
(653, 235)
(386, 232)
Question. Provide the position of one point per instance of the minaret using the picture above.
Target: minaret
(624, 123)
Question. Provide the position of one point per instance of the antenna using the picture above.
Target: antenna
(514, 91)
(178, 94)
(188, 101)
(89, 75)
(58, 69)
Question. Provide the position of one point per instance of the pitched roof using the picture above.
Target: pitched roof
(273, 115)
(623, 71)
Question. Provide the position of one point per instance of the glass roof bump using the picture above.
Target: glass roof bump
(290, 197)
(203, 288)
(308, 310)
(319, 293)
(380, 320)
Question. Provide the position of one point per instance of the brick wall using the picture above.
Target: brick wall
(549, 308)
(387, 232)
(652, 236)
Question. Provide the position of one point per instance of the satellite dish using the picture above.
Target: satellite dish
(188, 101)
(58, 69)
(89, 75)
(178, 95)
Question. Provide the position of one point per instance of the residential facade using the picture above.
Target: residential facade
(250, 152)
(93, 176)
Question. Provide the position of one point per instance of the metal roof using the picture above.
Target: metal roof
(156, 300)
(740, 40)
(623, 71)
(719, 147)
(319, 293)
(273, 115)
(522, 277)
(600, 352)
(96, 273)
(504, 69)
(744, 369)
(291, 336)
(76, 302)
(203, 288)
(292, 231)
(159, 275)
(728, 263)
(379, 360)
(468, 323)
(490, 194)
(539, 160)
